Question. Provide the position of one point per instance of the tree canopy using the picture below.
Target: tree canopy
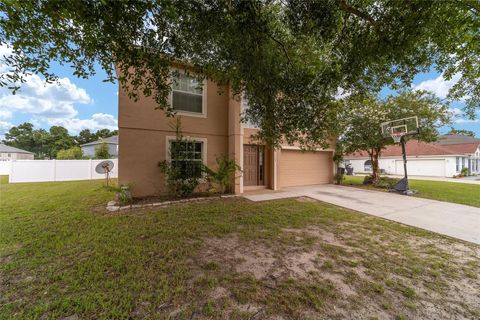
(362, 117)
(48, 144)
(289, 57)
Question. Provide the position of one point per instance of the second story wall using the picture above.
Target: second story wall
(142, 114)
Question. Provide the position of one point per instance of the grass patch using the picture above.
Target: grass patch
(461, 193)
(61, 254)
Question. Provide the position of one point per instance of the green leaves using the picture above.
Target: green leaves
(288, 57)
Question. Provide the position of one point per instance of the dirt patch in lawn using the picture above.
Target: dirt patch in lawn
(382, 277)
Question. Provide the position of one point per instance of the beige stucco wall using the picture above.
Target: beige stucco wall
(143, 131)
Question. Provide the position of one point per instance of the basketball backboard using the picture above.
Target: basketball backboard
(400, 127)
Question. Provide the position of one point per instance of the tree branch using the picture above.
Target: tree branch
(347, 8)
(282, 46)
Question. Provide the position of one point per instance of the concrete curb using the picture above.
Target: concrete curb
(112, 206)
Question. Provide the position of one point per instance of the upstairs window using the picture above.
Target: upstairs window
(187, 156)
(247, 124)
(187, 94)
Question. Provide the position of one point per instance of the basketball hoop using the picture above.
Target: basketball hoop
(397, 136)
(396, 129)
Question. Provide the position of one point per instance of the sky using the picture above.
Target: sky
(79, 104)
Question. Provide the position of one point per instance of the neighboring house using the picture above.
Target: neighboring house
(424, 159)
(211, 121)
(112, 142)
(10, 153)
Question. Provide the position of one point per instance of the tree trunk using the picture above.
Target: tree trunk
(375, 167)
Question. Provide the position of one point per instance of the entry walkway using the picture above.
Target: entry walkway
(454, 220)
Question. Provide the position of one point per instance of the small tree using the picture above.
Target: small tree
(223, 176)
(101, 151)
(70, 154)
(363, 115)
(182, 175)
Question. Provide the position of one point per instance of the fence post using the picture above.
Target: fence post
(11, 171)
(91, 169)
(54, 169)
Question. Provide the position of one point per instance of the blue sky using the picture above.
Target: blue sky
(93, 104)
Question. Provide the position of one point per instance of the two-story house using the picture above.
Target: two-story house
(211, 121)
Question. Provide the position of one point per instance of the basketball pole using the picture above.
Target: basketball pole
(404, 154)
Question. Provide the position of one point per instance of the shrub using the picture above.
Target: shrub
(182, 174)
(224, 175)
(101, 151)
(464, 172)
(386, 182)
(339, 177)
(181, 181)
(368, 179)
(382, 182)
(70, 154)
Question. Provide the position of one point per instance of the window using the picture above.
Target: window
(368, 166)
(187, 94)
(247, 124)
(188, 157)
(458, 164)
(9, 155)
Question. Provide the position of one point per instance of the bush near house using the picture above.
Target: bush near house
(381, 182)
(101, 151)
(73, 153)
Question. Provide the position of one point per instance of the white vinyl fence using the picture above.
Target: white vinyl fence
(56, 170)
(5, 168)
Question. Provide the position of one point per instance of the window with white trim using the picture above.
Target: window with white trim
(187, 156)
(457, 167)
(187, 94)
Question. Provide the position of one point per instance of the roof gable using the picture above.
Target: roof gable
(419, 148)
(4, 148)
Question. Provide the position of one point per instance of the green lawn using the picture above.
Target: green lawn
(62, 255)
(462, 193)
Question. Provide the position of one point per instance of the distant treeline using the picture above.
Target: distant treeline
(46, 144)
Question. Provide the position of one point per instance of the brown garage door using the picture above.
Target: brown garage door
(298, 168)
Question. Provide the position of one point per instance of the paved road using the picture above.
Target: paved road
(468, 180)
(454, 220)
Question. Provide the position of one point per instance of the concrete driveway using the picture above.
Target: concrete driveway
(454, 220)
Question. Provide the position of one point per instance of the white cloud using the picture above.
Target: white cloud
(96, 122)
(459, 117)
(440, 86)
(5, 51)
(48, 103)
(44, 100)
(4, 127)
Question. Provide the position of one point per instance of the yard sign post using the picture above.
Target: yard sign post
(398, 130)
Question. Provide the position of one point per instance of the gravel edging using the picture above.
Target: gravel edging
(113, 206)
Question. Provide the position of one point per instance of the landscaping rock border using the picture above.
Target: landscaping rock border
(113, 206)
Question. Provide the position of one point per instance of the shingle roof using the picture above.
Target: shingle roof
(419, 148)
(7, 149)
(112, 140)
(452, 138)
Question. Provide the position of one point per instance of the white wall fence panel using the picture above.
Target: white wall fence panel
(5, 167)
(56, 170)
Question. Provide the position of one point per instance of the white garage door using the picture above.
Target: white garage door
(420, 167)
(298, 168)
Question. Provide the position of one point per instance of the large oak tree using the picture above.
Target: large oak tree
(290, 57)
